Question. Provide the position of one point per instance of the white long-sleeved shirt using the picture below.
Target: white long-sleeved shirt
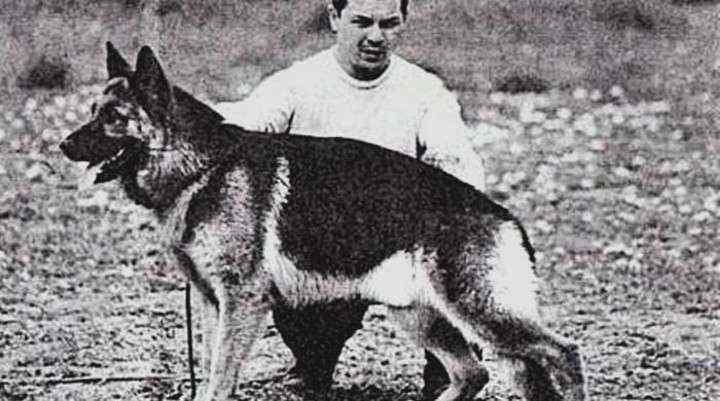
(402, 108)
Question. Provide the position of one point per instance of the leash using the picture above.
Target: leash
(188, 319)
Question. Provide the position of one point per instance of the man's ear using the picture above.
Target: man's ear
(151, 85)
(333, 17)
(116, 64)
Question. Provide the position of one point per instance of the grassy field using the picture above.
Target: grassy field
(621, 199)
(618, 187)
(652, 48)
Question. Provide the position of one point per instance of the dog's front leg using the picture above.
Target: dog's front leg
(242, 307)
(208, 323)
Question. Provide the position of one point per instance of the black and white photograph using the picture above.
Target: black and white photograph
(334, 200)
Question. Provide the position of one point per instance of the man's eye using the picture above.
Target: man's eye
(362, 22)
(390, 23)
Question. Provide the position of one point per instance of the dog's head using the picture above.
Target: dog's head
(120, 128)
(138, 113)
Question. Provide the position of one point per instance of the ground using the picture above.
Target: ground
(620, 199)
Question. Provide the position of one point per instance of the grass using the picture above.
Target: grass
(653, 49)
(619, 197)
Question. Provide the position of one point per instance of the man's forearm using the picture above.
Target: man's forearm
(467, 167)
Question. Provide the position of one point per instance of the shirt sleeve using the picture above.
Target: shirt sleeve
(444, 136)
(269, 107)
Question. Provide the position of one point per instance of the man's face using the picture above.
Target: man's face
(367, 32)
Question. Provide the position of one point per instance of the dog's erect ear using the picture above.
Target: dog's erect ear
(116, 64)
(153, 89)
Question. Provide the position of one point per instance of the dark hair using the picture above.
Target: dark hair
(340, 4)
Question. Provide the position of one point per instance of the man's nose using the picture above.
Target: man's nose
(376, 35)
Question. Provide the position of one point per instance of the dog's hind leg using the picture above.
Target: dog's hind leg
(316, 335)
(552, 366)
(498, 301)
(243, 304)
(445, 342)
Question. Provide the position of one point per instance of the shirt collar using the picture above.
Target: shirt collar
(358, 83)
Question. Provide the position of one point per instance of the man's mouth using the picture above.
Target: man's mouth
(373, 53)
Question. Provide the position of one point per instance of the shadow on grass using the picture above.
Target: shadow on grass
(46, 73)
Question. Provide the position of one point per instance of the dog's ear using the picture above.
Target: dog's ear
(153, 90)
(116, 64)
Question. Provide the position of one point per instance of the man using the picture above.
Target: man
(359, 89)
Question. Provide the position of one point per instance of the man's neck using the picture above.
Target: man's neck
(361, 74)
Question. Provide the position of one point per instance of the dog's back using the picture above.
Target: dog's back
(367, 200)
(349, 205)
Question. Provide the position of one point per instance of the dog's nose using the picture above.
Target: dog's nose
(63, 146)
(68, 148)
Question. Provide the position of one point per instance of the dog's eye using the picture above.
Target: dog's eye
(114, 117)
(93, 108)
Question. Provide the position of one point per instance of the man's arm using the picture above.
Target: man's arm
(445, 137)
(267, 108)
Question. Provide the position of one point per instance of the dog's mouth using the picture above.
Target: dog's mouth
(107, 169)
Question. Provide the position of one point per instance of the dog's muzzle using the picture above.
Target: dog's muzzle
(70, 150)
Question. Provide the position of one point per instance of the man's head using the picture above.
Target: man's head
(340, 4)
(367, 32)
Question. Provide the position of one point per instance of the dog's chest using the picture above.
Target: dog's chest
(212, 223)
(175, 219)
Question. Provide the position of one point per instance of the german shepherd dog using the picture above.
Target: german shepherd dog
(262, 222)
